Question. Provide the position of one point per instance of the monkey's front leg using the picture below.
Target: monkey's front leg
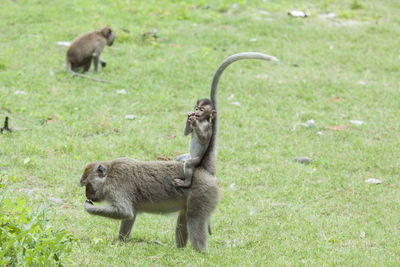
(103, 63)
(113, 211)
(126, 228)
(188, 127)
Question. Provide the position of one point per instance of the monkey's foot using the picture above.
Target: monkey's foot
(122, 239)
(180, 183)
(103, 64)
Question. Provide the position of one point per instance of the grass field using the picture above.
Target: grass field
(274, 211)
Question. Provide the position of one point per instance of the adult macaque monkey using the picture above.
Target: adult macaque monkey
(131, 186)
(199, 124)
(88, 47)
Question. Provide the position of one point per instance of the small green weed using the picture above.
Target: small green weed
(26, 236)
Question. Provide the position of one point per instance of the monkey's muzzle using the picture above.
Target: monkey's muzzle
(91, 193)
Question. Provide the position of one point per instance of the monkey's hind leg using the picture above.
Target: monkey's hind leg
(181, 232)
(126, 228)
(188, 172)
(87, 66)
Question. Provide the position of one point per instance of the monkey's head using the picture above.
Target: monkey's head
(109, 34)
(93, 178)
(204, 110)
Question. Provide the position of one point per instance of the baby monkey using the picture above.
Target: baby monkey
(199, 124)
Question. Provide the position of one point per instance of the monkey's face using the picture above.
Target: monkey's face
(93, 179)
(91, 193)
(204, 112)
(110, 37)
(109, 34)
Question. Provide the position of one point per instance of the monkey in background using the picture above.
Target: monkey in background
(199, 124)
(88, 47)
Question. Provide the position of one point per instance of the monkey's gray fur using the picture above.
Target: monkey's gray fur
(87, 47)
(133, 186)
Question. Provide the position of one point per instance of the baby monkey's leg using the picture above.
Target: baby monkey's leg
(188, 172)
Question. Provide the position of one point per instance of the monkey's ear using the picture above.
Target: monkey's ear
(106, 31)
(213, 114)
(101, 171)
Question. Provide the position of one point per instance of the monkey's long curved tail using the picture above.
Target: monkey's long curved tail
(210, 156)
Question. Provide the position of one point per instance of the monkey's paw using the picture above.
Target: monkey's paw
(192, 120)
(180, 183)
(88, 204)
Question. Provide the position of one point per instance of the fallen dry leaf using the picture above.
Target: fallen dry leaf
(298, 14)
(356, 122)
(373, 181)
(362, 234)
(340, 127)
(335, 99)
(163, 158)
(177, 153)
(130, 117)
(18, 92)
(64, 43)
(171, 136)
(235, 103)
(52, 119)
(65, 206)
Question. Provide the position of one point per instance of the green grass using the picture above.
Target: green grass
(278, 212)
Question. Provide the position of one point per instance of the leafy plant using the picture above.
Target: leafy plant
(27, 238)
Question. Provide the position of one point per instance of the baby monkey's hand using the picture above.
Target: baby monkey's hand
(191, 117)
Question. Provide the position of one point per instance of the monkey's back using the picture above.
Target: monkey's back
(149, 186)
(148, 183)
